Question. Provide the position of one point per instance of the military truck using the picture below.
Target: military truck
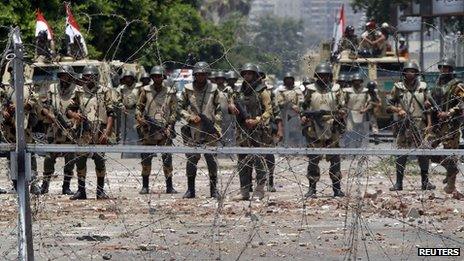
(383, 70)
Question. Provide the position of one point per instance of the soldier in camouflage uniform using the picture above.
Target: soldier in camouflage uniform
(344, 80)
(277, 131)
(408, 100)
(32, 109)
(350, 40)
(145, 80)
(253, 109)
(228, 120)
(92, 111)
(127, 95)
(232, 78)
(58, 99)
(321, 115)
(156, 117)
(200, 107)
(356, 102)
(446, 101)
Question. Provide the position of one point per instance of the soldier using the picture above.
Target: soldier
(446, 101)
(253, 109)
(144, 80)
(58, 99)
(287, 100)
(212, 76)
(277, 131)
(200, 107)
(231, 79)
(374, 108)
(156, 117)
(408, 103)
(349, 40)
(32, 108)
(93, 112)
(128, 94)
(373, 43)
(228, 120)
(344, 80)
(356, 101)
(321, 114)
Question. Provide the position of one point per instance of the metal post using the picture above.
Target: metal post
(421, 51)
(25, 245)
(442, 37)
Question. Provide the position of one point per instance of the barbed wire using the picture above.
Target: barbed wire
(206, 228)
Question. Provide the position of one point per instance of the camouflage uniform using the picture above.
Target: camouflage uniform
(288, 101)
(410, 129)
(325, 131)
(228, 120)
(256, 101)
(57, 101)
(355, 100)
(156, 112)
(447, 97)
(97, 107)
(201, 101)
(32, 108)
(127, 96)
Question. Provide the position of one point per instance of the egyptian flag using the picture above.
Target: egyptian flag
(338, 28)
(42, 25)
(73, 30)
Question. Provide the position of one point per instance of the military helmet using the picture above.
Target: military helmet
(201, 67)
(144, 76)
(323, 68)
(449, 62)
(90, 70)
(356, 77)
(212, 74)
(371, 85)
(65, 69)
(261, 73)
(402, 39)
(220, 74)
(128, 73)
(232, 75)
(349, 28)
(305, 80)
(343, 77)
(411, 65)
(157, 70)
(289, 75)
(249, 67)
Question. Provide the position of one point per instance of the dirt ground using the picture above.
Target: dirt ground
(371, 223)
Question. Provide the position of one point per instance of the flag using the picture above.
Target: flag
(73, 30)
(338, 28)
(42, 25)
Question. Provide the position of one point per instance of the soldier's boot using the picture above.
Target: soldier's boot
(450, 184)
(145, 185)
(426, 185)
(213, 188)
(100, 191)
(270, 185)
(45, 184)
(376, 139)
(243, 195)
(34, 188)
(80, 193)
(259, 191)
(65, 189)
(337, 189)
(169, 187)
(312, 190)
(399, 182)
(190, 193)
